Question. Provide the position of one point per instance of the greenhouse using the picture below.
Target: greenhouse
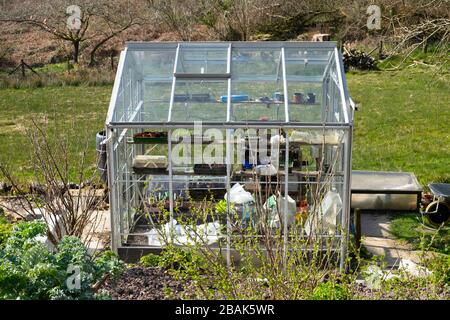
(239, 133)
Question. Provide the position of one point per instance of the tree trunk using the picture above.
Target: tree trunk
(76, 50)
(92, 61)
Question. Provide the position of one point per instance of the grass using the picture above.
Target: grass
(434, 57)
(410, 227)
(402, 123)
(52, 68)
(74, 112)
(56, 75)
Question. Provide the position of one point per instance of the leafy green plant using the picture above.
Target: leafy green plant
(150, 260)
(330, 291)
(5, 229)
(440, 268)
(29, 270)
(221, 207)
(176, 258)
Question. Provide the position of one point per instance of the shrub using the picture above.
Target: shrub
(440, 266)
(150, 260)
(29, 270)
(330, 291)
(5, 229)
(176, 258)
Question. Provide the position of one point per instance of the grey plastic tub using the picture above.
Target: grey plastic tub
(378, 190)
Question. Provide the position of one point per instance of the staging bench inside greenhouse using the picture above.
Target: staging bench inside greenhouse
(217, 134)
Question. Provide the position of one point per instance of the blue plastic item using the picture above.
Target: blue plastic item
(235, 98)
(247, 165)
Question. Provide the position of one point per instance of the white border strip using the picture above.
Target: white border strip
(174, 79)
(341, 87)
(115, 92)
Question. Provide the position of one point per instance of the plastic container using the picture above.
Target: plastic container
(101, 152)
(278, 96)
(311, 98)
(298, 97)
(235, 98)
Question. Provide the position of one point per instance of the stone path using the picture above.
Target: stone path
(378, 240)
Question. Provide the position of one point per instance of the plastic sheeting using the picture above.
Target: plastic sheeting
(325, 219)
(207, 233)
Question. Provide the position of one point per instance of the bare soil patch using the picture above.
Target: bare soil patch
(140, 283)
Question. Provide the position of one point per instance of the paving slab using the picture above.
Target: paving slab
(101, 231)
(376, 225)
(376, 237)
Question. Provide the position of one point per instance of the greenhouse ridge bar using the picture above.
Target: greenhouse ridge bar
(282, 109)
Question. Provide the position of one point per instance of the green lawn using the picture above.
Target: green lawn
(413, 228)
(403, 123)
(75, 112)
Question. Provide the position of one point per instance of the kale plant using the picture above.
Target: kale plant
(30, 270)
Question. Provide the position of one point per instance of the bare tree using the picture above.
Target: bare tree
(176, 15)
(112, 18)
(98, 21)
(232, 20)
(52, 17)
(60, 196)
(417, 23)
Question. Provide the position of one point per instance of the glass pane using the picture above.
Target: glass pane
(257, 85)
(301, 64)
(154, 64)
(256, 64)
(305, 73)
(128, 94)
(305, 101)
(156, 101)
(202, 60)
(337, 114)
(145, 86)
(199, 100)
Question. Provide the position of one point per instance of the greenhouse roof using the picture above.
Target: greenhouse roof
(179, 83)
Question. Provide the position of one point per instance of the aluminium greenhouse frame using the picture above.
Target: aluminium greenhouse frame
(128, 95)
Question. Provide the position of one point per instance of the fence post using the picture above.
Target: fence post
(22, 65)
